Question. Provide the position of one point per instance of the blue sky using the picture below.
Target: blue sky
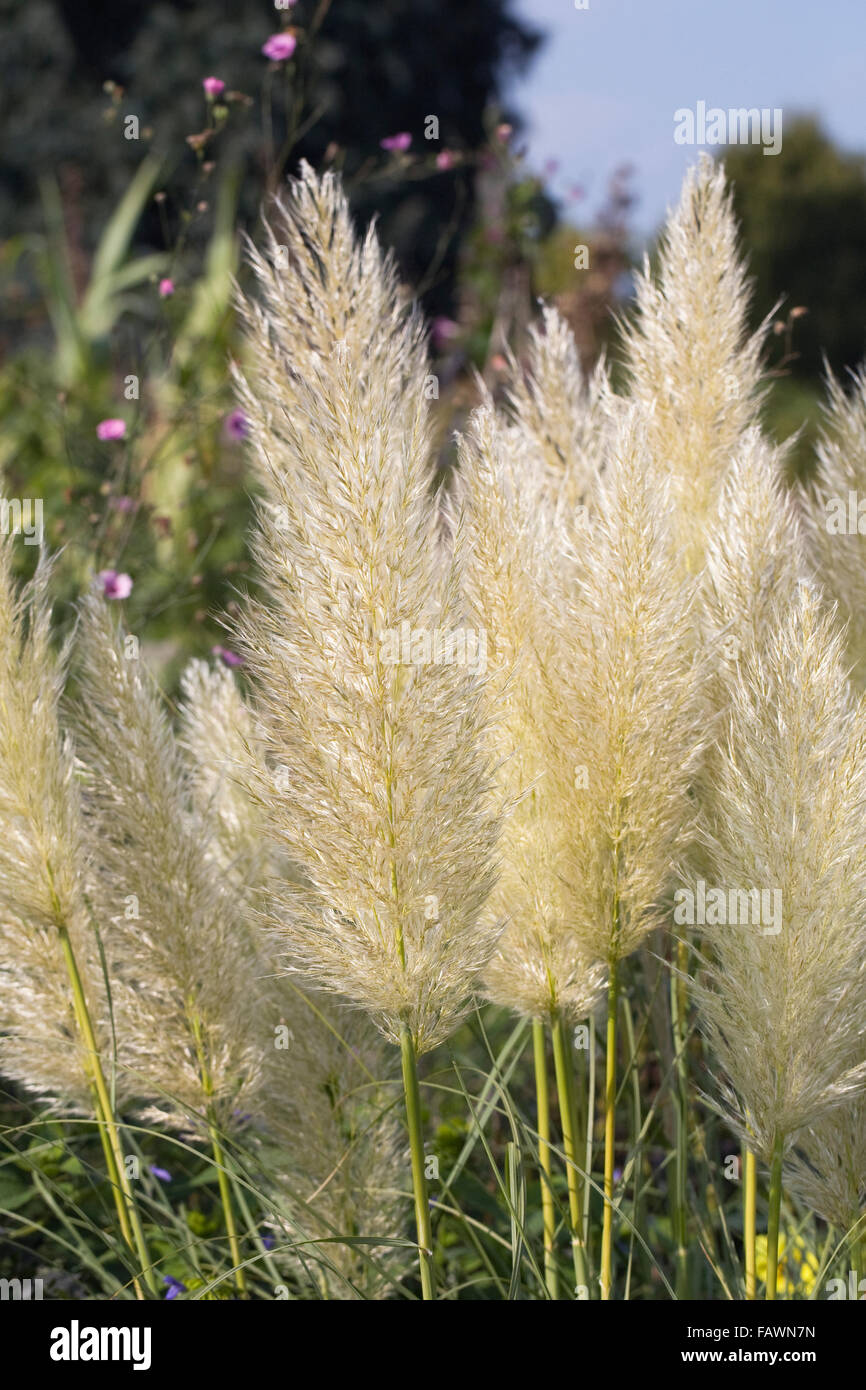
(603, 89)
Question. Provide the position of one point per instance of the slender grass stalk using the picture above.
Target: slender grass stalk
(131, 1224)
(637, 1131)
(516, 1187)
(217, 1151)
(412, 1093)
(679, 1023)
(228, 1210)
(773, 1220)
(573, 1149)
(750, 1200)
(858, 1239)
(609, 1132)
(111, 1169)
(548, 1215)
(590, 1138)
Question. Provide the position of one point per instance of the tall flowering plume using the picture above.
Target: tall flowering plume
(832, 509)
(691, 361)
(559, 417)
(783, 1006)
(541, 967)
(755, 553)
(42, 861)
(626, 726)
(755, 556)
(387, 801)
(190, 1026)
(329, 1136)
(600, 720)
(218, 737)
(827, 1167)
(625, 731)
(335, 1148)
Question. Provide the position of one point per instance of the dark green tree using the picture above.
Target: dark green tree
(803, 216)
(363, 71)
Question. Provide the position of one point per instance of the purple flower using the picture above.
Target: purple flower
(279, 47)
(213, 86)
(397, 143)
(268, 1242)
(111, 429)
(174, 1286)
(163, 1174)
(166, 288)
(236, 425)
(123, 504)
(444, 331)
(229, 659)
(445, 159)
(114, 585)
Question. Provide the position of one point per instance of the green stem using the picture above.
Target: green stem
(590, 1137)
(412, 1093)
(774, 1215)
(633, 1072)
(228, 1210)
(216, 1145)
(681, 1110)
(857, 1242)
(573, 1148)
(609, 1134)
(132, 1227)
(548, 1215)
(750, 1205)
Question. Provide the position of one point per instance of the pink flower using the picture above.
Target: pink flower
(114, 585)
(398, 143)
(213, 86)
(236, 425)
(444, 331)
(503, 132)
(111, 429)
(279, 47)
(228, 658)
(445, 160)
(166, 288)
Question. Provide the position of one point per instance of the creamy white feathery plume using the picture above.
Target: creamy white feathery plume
(42, 860)
(557, 416)
(330, 1138)
(190, 1027)
(335, 1147)
(755, 552)
(626, 723)
(827, 1166)
(218, 736)
(784, 1010)
(380, 730)
(540, 967)
(755, 556)
(691, 361)
(832, 511)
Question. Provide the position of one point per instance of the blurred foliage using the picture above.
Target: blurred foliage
(99, 223)
(361, 72)
(803, 216)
